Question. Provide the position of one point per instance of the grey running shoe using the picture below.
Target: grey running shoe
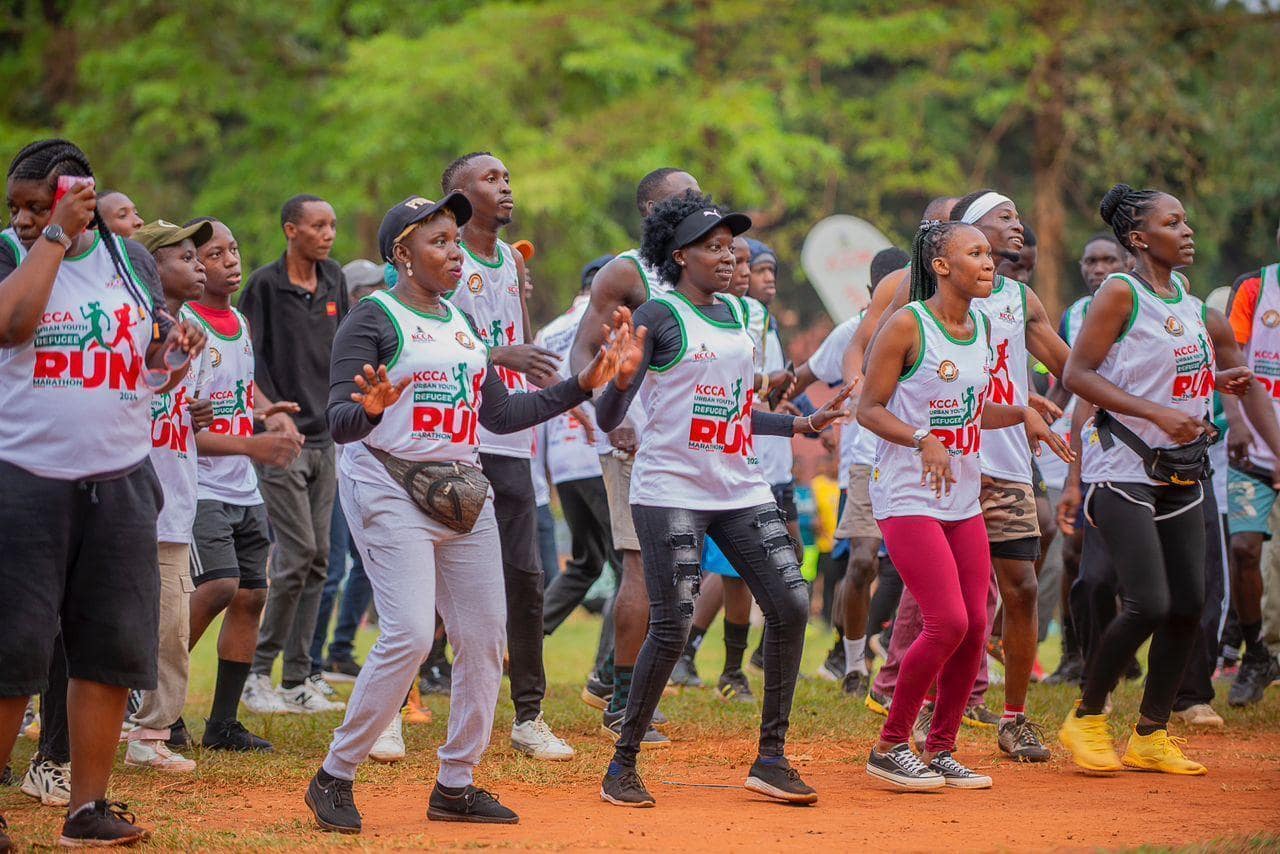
(980, 716)
(1255, 674)
(333, 804)
(623, 787)
(733, 685)
(104, 824)
(856, 685)
(779, 780)
(1022, 740)
(474, 805)
(685, 673)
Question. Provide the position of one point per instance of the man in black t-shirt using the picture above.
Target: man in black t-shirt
(294, 306)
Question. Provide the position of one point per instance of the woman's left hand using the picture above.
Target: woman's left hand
(1233, 380)
(619, 356)
(185, 336)
(1038, 431)
(832, 411)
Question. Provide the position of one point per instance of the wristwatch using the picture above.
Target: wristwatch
(55, 234)
(919, 436)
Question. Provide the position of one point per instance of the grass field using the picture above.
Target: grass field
(254, 802)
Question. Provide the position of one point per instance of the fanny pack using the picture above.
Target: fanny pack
(1181, 465)
(452, 493)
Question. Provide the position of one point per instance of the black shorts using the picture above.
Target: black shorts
(784, 494)
(1024, 548)
(230, 541)
(80, 555)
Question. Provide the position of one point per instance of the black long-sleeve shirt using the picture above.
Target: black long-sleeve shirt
(367, 337)
(664, 343)
(293, 332)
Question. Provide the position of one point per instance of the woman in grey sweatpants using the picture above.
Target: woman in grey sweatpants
(423, 403)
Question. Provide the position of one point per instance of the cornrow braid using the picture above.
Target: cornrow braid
(50, 159)
(930, 242)
(1124, 209)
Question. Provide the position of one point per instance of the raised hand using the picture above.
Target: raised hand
(833, 410)
(619, 357)
(377, 392)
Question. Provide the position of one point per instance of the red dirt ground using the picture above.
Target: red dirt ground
(1043, 807)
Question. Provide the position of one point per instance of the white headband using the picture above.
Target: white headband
(983, 205)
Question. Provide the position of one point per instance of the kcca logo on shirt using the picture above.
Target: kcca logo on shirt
(465, 340)
(421, 336)
(947, 371)
(1271, 318)
(702, 354)
(475, 283)
(1173, 326)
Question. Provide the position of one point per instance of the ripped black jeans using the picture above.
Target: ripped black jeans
(755, 541)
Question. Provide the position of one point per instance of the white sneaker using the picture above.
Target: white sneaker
(155, 754)
(534, 738)
(390, 745)
(260, 696)
(48, 782)
(31, 721)
(1201, 714)
(305, 700)
(324, 689)
(995, 671)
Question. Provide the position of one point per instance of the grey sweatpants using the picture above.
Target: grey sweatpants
(416, 567)
(299, 502)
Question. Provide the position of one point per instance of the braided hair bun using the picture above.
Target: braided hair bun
(1111, 202)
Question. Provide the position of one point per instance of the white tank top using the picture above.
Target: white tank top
(490, 293)
(943, 391)
(654, 286)
(1005, 453)
(227, 382)
(758, 329)
(1263, 354)
(173, 455)
(774, 451)
(1165, 356)
(569, 455)
(697, 449)
(73, 401)
(1052, 468)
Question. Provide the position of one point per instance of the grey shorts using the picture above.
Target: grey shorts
(858, 520)
(230, 541)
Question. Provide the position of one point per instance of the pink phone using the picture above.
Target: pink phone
(65, 183)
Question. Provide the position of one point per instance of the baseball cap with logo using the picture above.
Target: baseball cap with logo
(413, 210)
(693, 227)
(162, 233)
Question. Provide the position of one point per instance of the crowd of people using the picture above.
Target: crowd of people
(181, 444)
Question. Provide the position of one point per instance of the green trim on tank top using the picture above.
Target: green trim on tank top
(948, 335)
(736, 324)
(920, 350)
(502, 256)
(448, 310)
(386, 309)
(1023, 287)
(644, 279)
(684, 336)
(17, 250)
(97, 238)
(216, 333)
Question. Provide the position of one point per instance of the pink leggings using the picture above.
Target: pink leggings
(946, 566)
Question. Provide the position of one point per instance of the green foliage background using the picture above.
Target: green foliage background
(793, 110)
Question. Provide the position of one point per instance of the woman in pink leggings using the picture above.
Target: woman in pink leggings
(923, 396)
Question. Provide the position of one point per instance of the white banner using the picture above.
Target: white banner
(837, 257)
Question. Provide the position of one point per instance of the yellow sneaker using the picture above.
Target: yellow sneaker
(1160, 752)
(1089, 741)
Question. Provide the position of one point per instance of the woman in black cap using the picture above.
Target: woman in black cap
(420, 512)
(695, 473)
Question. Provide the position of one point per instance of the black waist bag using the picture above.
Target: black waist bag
(452, 493)
(1181, 465)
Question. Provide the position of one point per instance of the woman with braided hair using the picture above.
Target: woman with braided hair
(84, 342)
(1143, 355)
(925, 397)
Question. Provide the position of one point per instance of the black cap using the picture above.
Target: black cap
(593, 267)
(414, 210)
(695, 225)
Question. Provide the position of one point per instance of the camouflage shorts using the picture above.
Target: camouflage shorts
(1009, 509)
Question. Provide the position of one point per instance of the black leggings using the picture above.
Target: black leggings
(1155, 538)
(755, 541)
(885, 600)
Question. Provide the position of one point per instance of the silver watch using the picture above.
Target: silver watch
(55, 234)
(919, 436)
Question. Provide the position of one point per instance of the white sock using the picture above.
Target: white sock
(855, 655)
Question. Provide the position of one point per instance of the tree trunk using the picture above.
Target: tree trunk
(1049, 103)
